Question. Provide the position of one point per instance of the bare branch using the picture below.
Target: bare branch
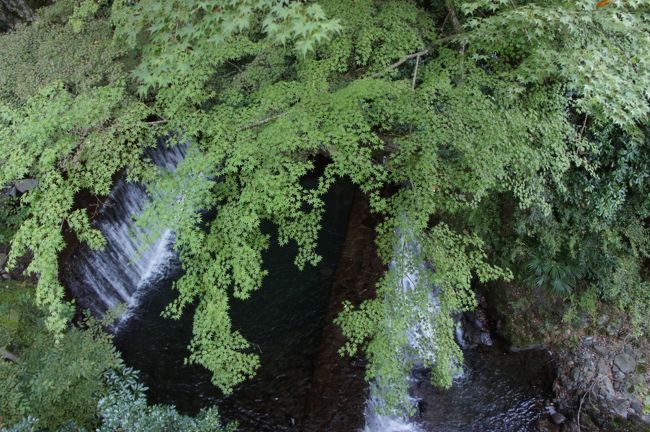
(262, 122)
(415, 72)
(156, 122)
(402, 60)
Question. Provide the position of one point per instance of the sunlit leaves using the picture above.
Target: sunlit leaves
(68, 144)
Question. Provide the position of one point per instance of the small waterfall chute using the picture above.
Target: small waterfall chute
(408, 274)
(102, 280)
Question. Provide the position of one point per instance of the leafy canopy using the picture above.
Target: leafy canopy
(444, 117)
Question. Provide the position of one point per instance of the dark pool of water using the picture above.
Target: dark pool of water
(284, 321)
(499, 391)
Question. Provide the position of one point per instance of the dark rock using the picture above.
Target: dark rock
(9, 191)
(606, 389)
(486, 339)
(422, 407)
(546, 425)
(625, 362)
(600, 349)
(26, 184)
(627, 386)
(603, 367)
(618, 375)
(620, 407)
(575, 373)
(6, 276)
(558, 418)
(637, 407)
(3, 260)
(12, 12)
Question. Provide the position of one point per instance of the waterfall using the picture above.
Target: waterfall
(100, 280)
(420, 336)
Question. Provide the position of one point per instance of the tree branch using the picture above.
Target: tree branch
(455, 21)
(415, 72)
(402, 60)
(454, 18)
(262, 122)
(415, 55)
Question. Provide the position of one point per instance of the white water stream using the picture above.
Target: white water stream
(420, 336)
(103, 279)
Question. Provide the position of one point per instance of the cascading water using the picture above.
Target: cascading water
(494, 391)
(420, 336)
(101, 280)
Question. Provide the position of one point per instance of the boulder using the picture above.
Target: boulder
(26, 184)
(606, 389)
(625, 362)
(603, 366)
(558, 418)
(620, 407)
(600, 349)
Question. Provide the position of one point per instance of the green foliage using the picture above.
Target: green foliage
(600, 53)
(49, 50)
(520, 139)
(54, 383)
(12, 216)
(184, 40)
(125, 408)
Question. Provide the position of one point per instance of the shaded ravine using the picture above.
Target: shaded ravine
(283, 320)
(303, 384)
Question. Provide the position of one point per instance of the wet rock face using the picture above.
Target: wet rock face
(338, 390)
(606, 378)
(13, 12)
(473, 328)
(3, 261)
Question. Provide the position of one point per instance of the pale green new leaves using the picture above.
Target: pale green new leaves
(601, 53)
(67, 144)
(185, 37)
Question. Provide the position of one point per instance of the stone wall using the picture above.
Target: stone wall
(606, 380)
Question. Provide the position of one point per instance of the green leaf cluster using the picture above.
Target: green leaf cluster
(55, 383)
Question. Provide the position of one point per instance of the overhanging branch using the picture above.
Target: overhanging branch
(415, 55)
